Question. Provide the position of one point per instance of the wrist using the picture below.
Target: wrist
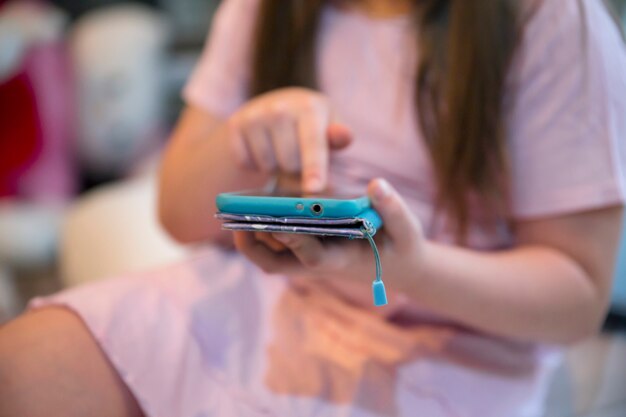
(407, 272)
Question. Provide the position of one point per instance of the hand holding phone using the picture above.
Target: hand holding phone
(263, 211)
(404, 250)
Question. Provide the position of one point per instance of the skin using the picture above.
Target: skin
(50, 365)
(570, 258)
(290, 131)
(380, 9)
(553, 286)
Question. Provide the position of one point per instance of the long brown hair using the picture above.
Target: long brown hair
(465, 50)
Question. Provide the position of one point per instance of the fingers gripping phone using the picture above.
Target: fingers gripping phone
(320, 214)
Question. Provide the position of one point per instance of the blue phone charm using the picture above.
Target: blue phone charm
(378, 286)
(379, 293)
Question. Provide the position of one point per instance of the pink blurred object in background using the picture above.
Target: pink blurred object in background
(36, 127)
(37, 168)
(52, 177)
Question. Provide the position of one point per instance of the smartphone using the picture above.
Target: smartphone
(321, 215)
(288, 204)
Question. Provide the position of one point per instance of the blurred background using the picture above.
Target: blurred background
(89, 91)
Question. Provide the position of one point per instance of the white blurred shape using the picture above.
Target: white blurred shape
(119, 57)
(28, 233)
(113, 230)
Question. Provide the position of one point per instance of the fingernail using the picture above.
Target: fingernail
(313, 184)
(381, 191)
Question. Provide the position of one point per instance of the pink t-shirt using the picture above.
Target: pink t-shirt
(565, 95)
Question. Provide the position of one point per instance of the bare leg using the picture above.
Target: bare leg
(50, 365)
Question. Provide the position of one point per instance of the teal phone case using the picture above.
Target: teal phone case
(349, 218)
(367, 222)
(236, 203)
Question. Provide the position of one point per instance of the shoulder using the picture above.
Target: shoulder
(561, 35)
(567, 18)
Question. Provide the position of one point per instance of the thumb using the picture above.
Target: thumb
(339, 135)
(400, 224)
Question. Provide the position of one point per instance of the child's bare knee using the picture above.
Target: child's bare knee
(50, 364)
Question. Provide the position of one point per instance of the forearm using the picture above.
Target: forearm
(197, 165)
(531, 293)
(552, 287)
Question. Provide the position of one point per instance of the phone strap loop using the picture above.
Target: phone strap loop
(378, 287)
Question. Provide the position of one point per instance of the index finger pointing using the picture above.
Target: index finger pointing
(313, 152)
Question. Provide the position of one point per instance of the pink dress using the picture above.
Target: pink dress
(215, 336)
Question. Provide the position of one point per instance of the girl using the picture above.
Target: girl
(495, 130)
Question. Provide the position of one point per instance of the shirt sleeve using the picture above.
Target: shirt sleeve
(567, 120)
(219, 82)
